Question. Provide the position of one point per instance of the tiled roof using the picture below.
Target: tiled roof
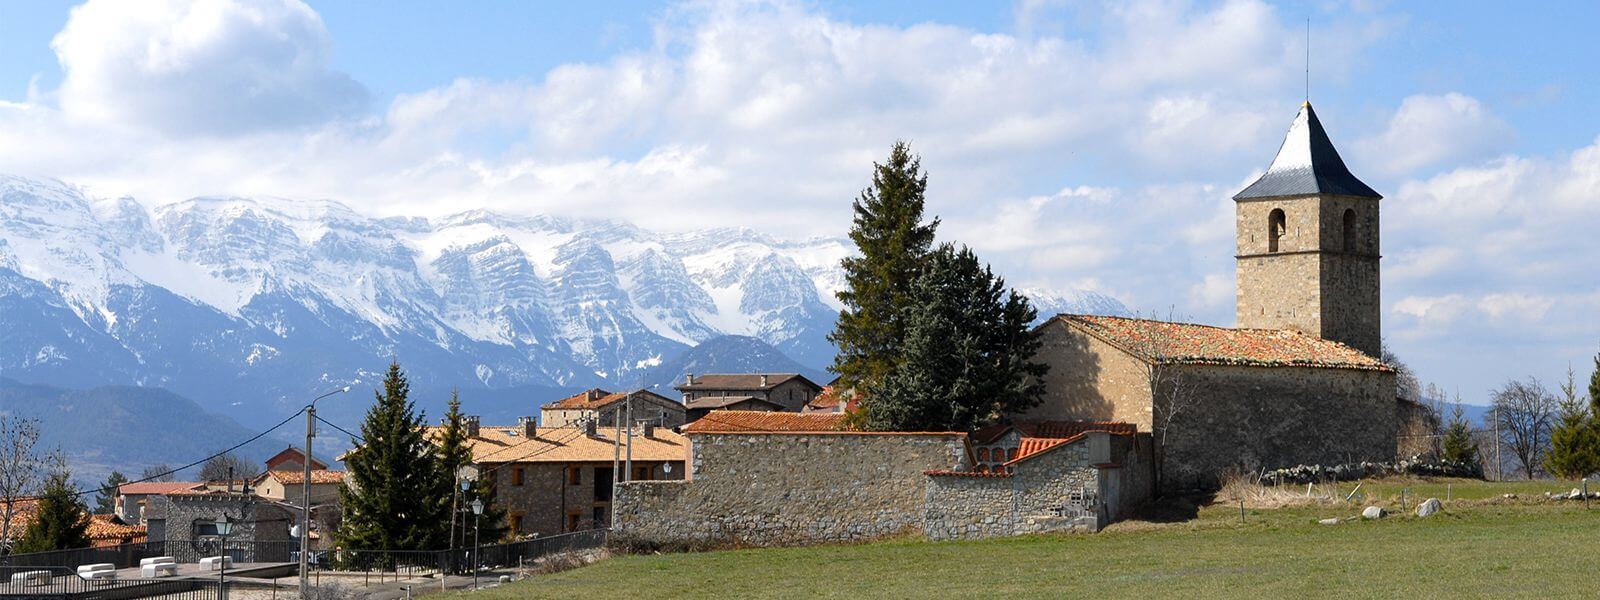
(294, 453)
(829, 398)
(598, 398)
(751, 421)
(318, 476)
(742, 381)
(157, 487)
(1188, 343)
(106, 527)
(1050, 429)
(726, 401)
(502, 444)
(1032, 445)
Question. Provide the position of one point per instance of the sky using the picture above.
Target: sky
(1075, 145)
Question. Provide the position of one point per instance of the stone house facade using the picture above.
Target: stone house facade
(187, 523)
(604, 407)
(554, 480)
(792, 391)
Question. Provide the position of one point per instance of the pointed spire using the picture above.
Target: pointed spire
(1306, 164)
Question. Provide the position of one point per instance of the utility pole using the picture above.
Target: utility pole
(1498, 476)
(305, 492)
(629, 467)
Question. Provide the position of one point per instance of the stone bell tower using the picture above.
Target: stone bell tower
(1308, 244)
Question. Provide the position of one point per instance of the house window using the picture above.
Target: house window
(1349, 230)
(1276, 225)
(516, 523)
(1011, 454)
(599, 517)
(574, 475)
(641, 473)
(983, 454)
(572, 521)
(516, 476)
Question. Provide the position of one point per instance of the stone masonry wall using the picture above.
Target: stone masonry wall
(797, 488)
(1032, 499)
(1089, 379)
(1247, 418)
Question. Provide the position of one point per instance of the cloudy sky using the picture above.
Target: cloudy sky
(1074, 144)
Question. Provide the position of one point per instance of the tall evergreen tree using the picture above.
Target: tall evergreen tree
(1458, 444)
(60, 522)
(968, 352)
(1594, 388)
(892, 239)
(1575, 441)
(397, 495)
(105, 502)
(454, 453)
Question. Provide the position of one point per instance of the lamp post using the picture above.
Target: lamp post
(477, 511)
(465, 476)
(305, 491)
(224, 527)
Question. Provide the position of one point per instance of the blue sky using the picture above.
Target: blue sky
(1074, 144)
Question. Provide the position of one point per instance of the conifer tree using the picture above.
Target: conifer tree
(397, 496)
(892, 239)
(1575, 441)
(968, 352)
(60, 522)
(1594, 388)
(454, 452)
(105, 502)
(1458, 445)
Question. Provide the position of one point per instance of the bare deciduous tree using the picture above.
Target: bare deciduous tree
(23, 470)
(222, 466)
(161, 472)
(1172, 386)
(1526, 413)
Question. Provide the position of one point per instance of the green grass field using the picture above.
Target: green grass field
(1481, 546)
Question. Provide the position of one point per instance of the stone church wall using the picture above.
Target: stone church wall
(1248, 418)
(795, 488)
(1089, 379)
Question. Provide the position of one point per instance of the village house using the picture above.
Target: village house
(789, 390)
(103, 530)
(1297, 382)
(554, 480)
(293, 459)
(288, 486)
(187, 522)
(603, 407)
(133, 498)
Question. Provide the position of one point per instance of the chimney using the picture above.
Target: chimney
(593, 394)
(763, 380)
(472, 425)
(530, 427)
(591, 428)
(649, 428)
(689, 378)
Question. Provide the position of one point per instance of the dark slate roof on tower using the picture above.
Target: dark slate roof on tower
(1306, 164)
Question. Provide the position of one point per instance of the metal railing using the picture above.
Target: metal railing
(64, 584)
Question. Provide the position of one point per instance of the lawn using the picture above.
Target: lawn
(1482, 545)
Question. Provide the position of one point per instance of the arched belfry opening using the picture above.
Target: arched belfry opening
(1275, 229)
(1349, 230)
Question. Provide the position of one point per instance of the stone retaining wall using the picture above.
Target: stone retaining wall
(790, 488)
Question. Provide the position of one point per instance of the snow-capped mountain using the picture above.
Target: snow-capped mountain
(251, 303)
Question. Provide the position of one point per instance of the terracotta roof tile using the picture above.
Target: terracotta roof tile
(751, 421)
(1050, 429)
(157, 487)
(502, 444)
(1188, 343)
(598, 398)
(318, 476)
(106, 527)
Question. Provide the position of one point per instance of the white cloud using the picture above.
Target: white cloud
(200, 66)
(1430, 130)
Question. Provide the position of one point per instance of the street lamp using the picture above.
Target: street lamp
(477, 511)
(305, 491)
(224, 527)
(465, 475)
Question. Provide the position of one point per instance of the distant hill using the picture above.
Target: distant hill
(127, 428)
(726, 354)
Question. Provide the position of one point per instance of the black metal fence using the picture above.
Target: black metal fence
(125, 555)
(60, 583)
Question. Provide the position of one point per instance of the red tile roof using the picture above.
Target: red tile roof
(106, 527)
(597, 398)
(1050, 429)
(829, 398)
(751, 421)
(1188, 343)
(318, 477)
(157, 488)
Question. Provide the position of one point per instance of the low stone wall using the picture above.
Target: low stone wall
(1056, 490)
(789, 488)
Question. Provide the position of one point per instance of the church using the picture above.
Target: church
(1296, 381)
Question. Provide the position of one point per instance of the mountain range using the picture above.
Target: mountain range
(251, 306)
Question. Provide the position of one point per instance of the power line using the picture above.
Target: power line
(172, 471)
(358, 438)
